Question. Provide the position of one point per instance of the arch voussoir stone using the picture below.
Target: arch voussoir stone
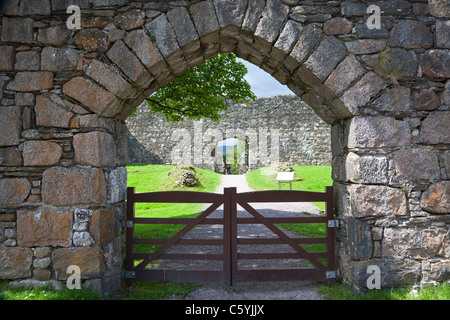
(385, 93)
(110, 78)
(286, 40)
(185, 31)
(161, 30)
(97, 99)
(129, 64)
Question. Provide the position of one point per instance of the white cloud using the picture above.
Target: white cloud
(262, 83)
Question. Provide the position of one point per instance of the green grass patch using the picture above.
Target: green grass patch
(152, 178)
(158, 291)
(306, 178)
(45, 293)
(342, 292)
(139, 291)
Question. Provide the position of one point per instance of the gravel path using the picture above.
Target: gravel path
(298, 290)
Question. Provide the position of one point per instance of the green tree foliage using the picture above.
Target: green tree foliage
(201, 91)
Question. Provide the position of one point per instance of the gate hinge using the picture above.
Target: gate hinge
(128, 274)
(333, 223)
(127, 223)
(333, 274)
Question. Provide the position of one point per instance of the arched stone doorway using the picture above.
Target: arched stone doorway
(66, 94)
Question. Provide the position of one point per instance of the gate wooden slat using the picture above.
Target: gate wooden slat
(277, 256)
(250, 241)
(282, 196)
(184, 242)
(284, 220)
(179, 276)
(234, 235)
(182, 256)
(176, 221)
(178, 197)
(227, 236)
(280, 275)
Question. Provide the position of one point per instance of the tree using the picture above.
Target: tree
(202, 91)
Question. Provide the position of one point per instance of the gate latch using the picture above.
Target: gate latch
(333, 223)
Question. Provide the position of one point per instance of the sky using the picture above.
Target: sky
(262, 83)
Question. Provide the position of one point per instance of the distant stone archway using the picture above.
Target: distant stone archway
(66, 94)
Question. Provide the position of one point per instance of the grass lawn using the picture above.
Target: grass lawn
(45, 293)
(306, 178)
(149, 178)
(341, 292)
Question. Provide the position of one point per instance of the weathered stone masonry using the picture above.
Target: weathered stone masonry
(301, 137)
(66, 94)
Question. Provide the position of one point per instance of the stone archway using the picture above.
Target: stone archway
(67, 92)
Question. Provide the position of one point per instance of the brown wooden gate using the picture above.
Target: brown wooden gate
(229, 242)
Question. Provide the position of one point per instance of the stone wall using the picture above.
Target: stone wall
(299, 135)
(65, 94)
